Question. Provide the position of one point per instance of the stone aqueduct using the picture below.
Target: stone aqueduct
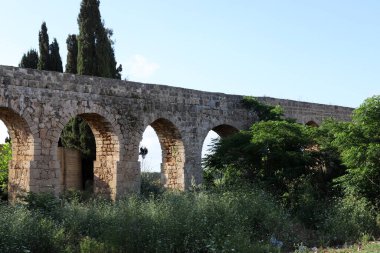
(36, 105)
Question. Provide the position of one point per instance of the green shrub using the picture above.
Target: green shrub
(151, 184)
(234, 220)
(22, 230)
(348, 220)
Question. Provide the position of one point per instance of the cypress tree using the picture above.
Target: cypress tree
(103, 54)
(88, 21)
(43, 38)
(72, 54)
(107, 52)
(55, 62)
(96, 55)
(77, 134)
(29, 60)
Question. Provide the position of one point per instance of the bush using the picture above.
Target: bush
(151, 183)
(229, 220)
(348, 220)
(22, 230)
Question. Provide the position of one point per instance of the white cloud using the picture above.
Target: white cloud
(140, 68)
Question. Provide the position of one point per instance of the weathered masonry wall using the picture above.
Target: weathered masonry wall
(309, 113)
(36, 105)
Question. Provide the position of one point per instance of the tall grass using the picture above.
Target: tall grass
(231, 221)
(240, 220)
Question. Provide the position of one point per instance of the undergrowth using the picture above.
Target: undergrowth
(234, 220)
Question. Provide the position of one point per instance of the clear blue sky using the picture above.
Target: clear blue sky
(325, 51)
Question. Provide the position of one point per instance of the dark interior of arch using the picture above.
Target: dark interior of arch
(225, 130)
(107, 154)
(173, 153)
(312, 123)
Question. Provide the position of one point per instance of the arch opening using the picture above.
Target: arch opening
(150, 158)
(90, 154)
(22, 148)
(214, 135)
(172, 153)
(210, 138)
(311, 123)
(225, 130)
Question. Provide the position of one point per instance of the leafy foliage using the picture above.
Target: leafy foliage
(151, 184)
(77, 134)
(240, 220)
(243, 219)
(359, 144)
(274, 152)
(5, 157)
(294, 162)
(348, 219)
(264, 112)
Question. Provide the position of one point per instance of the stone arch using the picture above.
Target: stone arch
(220, 131)
(173, 153)
(23, 152)
(108, 152)
(311, 123)
(225, 130)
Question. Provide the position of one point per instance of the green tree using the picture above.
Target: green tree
(29, 60)
(263, 111)
(359, 144)
(95, 57)
(72, 54)
(55, 62)
(43, 39)
(88, 19)
(77, 134)
(95, 52)
(5, 157)
(273, 152)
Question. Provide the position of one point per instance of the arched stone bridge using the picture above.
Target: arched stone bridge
(36, 105)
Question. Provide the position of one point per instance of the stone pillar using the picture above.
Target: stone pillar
(193, 168)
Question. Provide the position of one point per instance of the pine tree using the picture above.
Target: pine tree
(29, 60)
(72, 54)
(55, 62)
(43, 38)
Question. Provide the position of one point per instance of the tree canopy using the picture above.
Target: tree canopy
(5, 157)
(29, 60)
(55, 61)
(89, 53)
(43, 40)
(359, 144)
(49, 58)
(95, 52)
(72, 54)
